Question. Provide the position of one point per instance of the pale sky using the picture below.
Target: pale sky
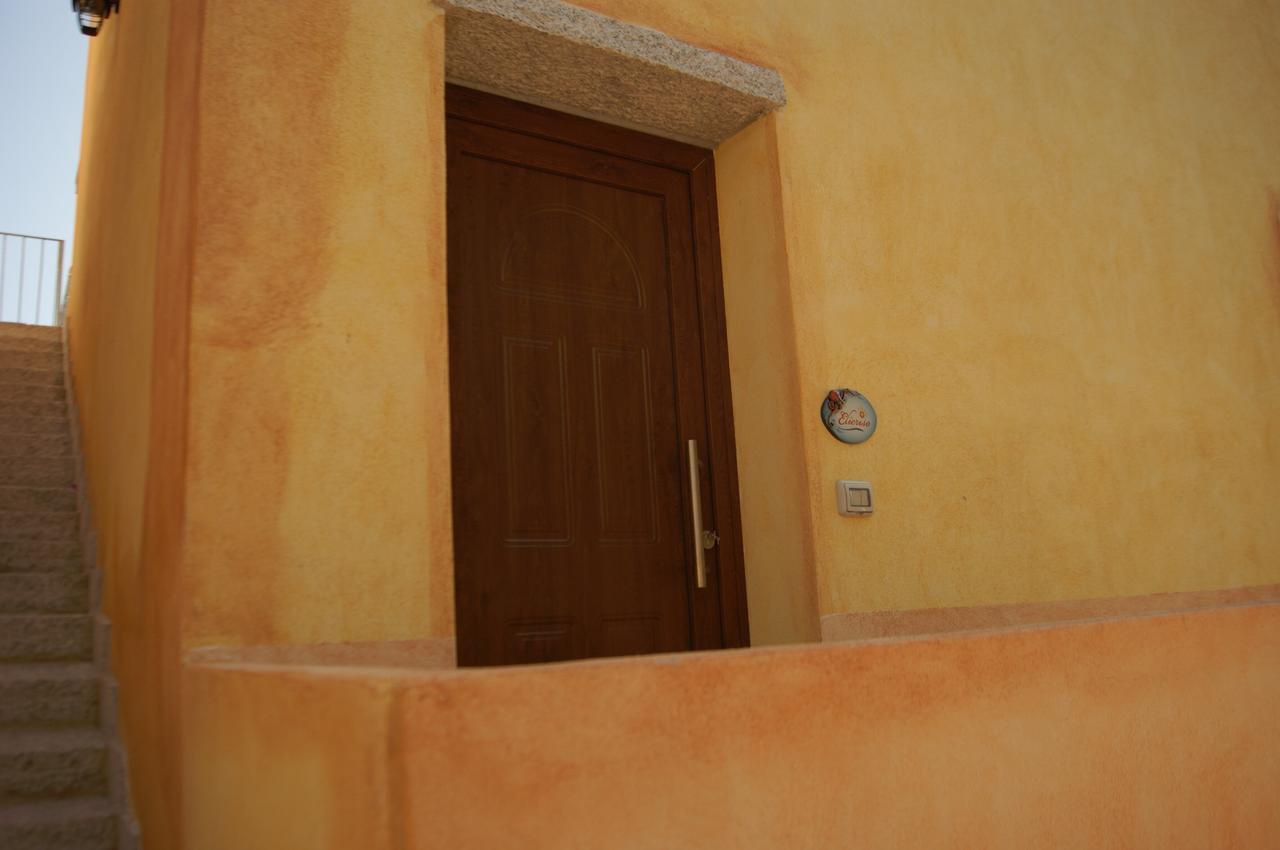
(42, 66)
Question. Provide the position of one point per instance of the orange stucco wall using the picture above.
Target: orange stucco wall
(1043, 241)
(307, 796)
(1150, 732)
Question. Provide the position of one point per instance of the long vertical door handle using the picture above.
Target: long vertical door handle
(702, 539)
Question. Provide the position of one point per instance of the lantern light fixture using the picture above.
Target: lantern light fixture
(92, 13)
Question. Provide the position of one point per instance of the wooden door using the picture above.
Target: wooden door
(584, 312)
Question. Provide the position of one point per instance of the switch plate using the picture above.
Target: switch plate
(853, 498)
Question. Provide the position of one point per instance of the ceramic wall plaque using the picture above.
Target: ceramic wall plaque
(848, 416)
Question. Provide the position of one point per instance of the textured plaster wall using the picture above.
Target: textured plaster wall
(777, 537)
(318, 501)
(252, 330)
(113, 327)
(1151, 732)
(109, 310)
(306, 766)
(1041, 239)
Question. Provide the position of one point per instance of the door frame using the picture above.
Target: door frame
(697, 166)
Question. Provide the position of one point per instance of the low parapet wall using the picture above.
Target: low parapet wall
(1159, 731)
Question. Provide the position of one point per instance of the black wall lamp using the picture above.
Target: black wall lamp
(92, 13)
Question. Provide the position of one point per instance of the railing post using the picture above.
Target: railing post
(22, 272)
(59, 309)
(39, 282)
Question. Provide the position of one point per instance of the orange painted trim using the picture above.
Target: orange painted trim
(931, 621)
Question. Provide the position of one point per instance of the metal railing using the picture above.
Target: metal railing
(30, 279)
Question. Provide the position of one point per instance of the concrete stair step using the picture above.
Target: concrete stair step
(55, 694)
(21, 330)
(37, 498)
(15, 422)
(44, 593)
(37, 471)
(33, 445)
(35, 556)
(50, 348)
(46, 637)
(45, 565)
(18, 375)
(29, 407)
(79, 823)
(16, 397)
(52, 763)
(45, 361)
(39, 525)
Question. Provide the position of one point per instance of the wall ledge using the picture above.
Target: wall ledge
(408, 661)
(558, 55)
(438, 653)
(870, 625)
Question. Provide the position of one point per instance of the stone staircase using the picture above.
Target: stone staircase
(61, 766)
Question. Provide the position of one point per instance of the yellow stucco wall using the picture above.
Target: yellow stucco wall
(1041, 240)
(777, 537)
(253, 343)
(318, 500)
(1041, 243)
(109, 304)
(112, 327)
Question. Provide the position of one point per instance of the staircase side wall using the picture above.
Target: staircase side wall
(122, 335)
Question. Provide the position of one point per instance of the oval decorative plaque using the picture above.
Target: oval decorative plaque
(848, 416)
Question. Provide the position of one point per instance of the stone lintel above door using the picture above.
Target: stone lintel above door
(562, 56)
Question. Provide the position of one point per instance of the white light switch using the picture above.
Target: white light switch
(853, 498)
